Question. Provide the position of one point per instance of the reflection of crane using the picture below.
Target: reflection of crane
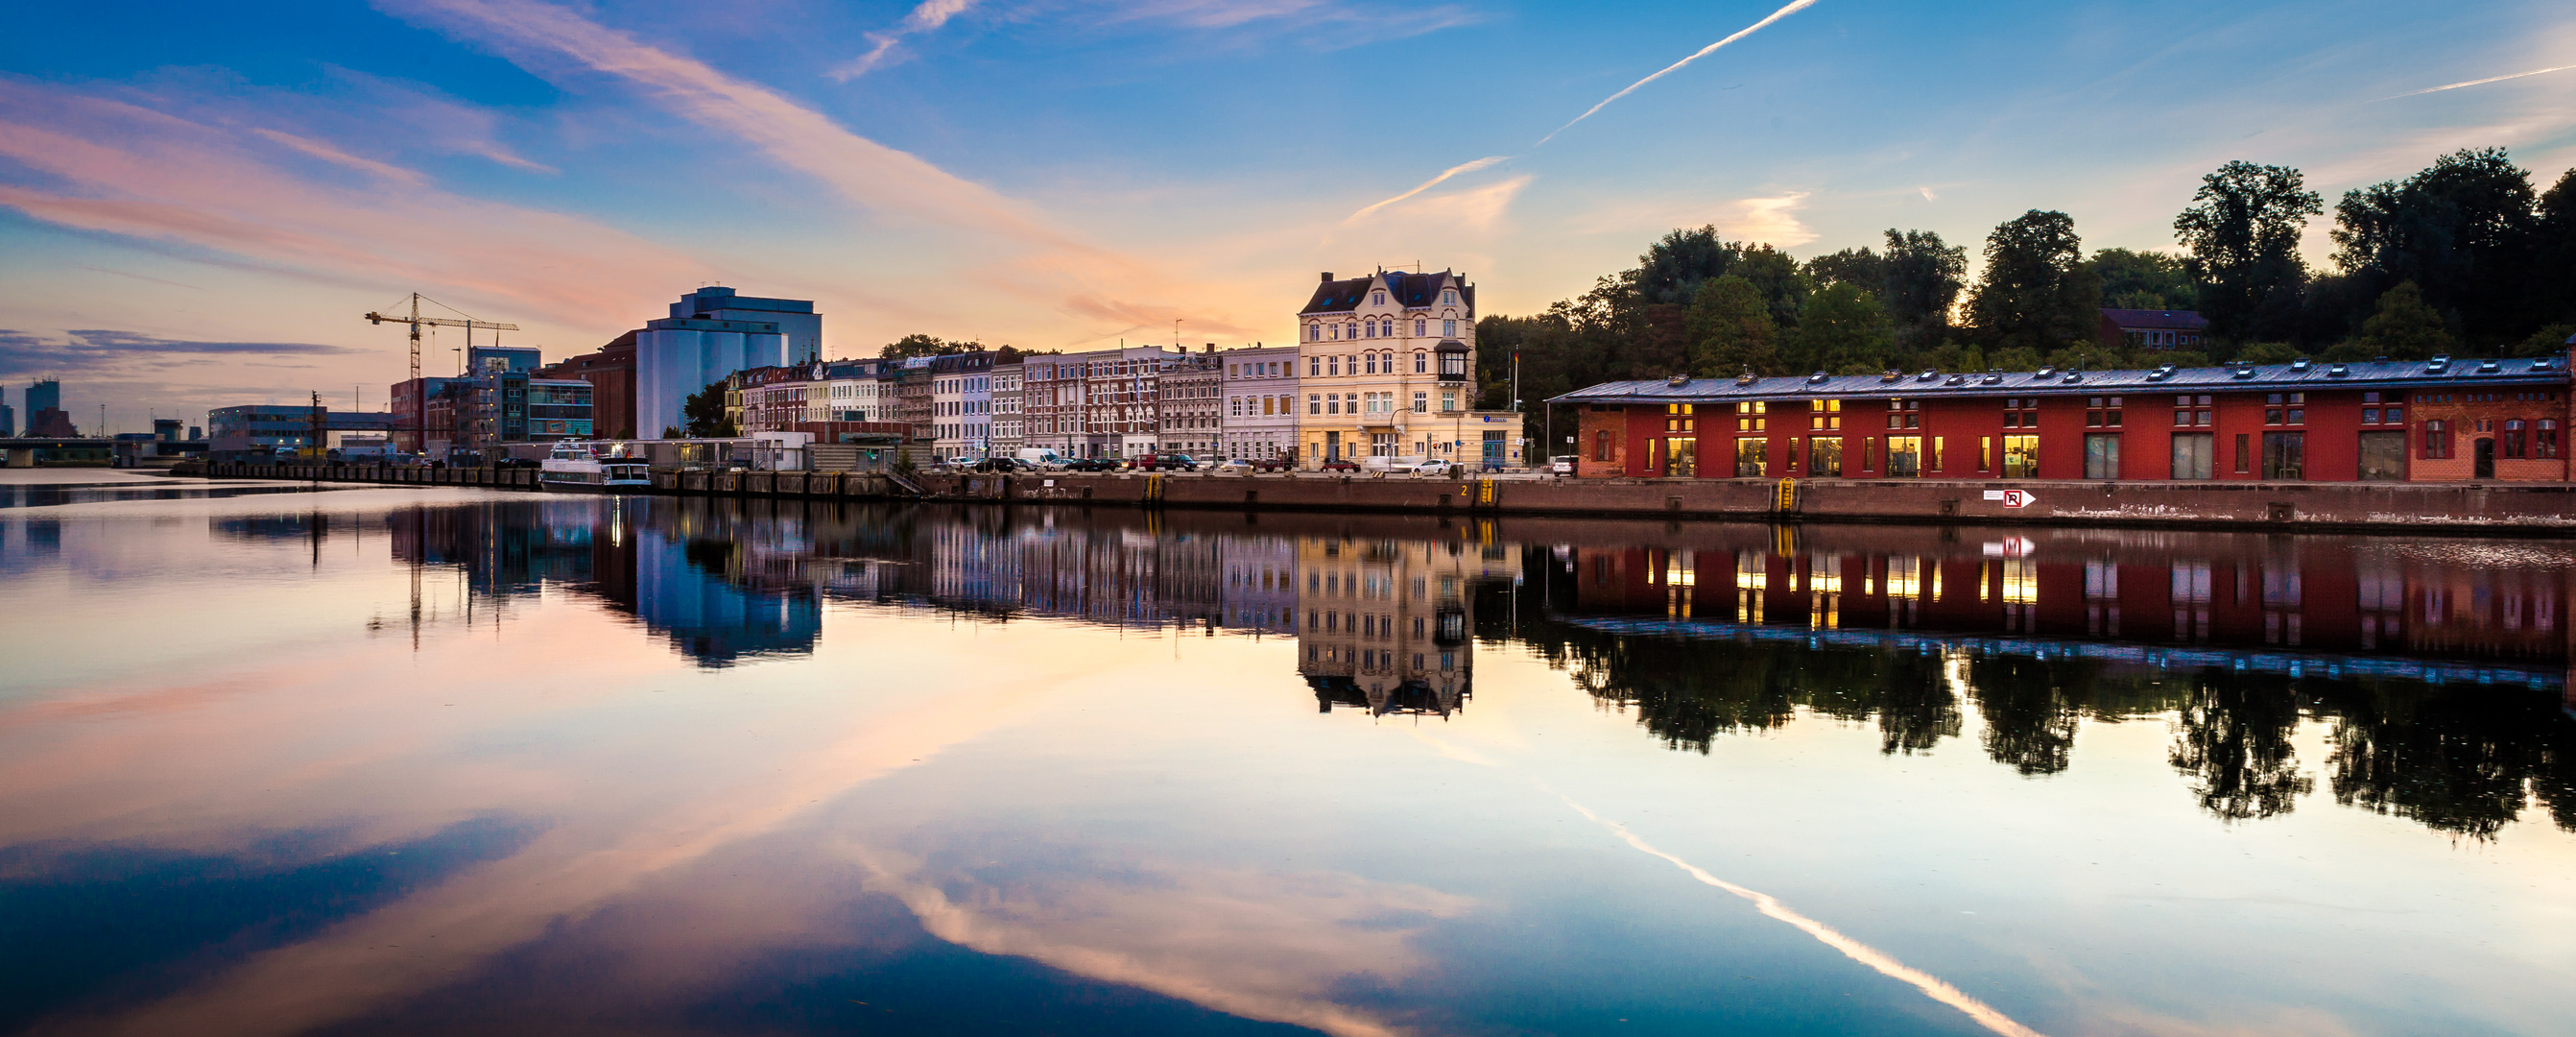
(416, 320)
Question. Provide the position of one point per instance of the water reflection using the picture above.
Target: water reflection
(2440, 678)
(780, 767)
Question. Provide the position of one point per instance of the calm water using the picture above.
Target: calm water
(396, 761)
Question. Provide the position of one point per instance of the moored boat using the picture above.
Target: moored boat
(575, 465)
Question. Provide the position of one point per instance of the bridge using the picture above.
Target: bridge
(20, 451)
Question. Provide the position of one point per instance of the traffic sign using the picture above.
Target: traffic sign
(2019, 499)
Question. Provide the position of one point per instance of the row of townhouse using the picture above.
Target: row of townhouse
(1384, 369)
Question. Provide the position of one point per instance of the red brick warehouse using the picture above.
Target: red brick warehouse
(2425, 421)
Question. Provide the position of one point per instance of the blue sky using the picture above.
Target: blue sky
(196, 202)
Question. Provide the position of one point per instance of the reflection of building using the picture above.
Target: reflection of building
(2209, 596)
(1260, 583)
(1386, 623)
(683, 592)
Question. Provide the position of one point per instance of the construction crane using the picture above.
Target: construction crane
(416, 320)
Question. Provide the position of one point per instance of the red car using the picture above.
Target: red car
(1341, 466)
(1167, 463)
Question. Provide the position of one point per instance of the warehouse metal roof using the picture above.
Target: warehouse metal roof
(2303, 375)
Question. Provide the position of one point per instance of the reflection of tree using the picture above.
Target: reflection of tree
(2234, 740)
(2456, 759)
(1916, 707)
(2030, 720)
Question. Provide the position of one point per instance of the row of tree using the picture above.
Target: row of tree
(2463, 256)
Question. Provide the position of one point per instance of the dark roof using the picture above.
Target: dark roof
(1410, 290)
(2156, 320)
(2402, 374)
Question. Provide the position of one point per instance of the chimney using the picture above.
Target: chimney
(1328, 277)
(1211, 348)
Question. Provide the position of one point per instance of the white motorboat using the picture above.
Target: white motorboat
(575, 465)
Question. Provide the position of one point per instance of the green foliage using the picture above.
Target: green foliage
(2403, 327)
(1923, 279)
(2036, 293)
(1844, 329)
(705, 410)
(2548, 341)
(2143, 280)
(2463, 230)
(1731, 330)
(2242, 231)
(2016, 359)
(916, 345)
(2269, 353)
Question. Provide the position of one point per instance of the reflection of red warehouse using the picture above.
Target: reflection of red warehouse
(2423, 421)
(2327, 594)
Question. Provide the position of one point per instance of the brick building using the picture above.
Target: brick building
(610, 370)
(2424, 421)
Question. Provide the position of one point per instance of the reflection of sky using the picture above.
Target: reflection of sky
(1158, 814)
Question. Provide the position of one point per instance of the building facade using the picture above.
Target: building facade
(1096, 404)
(1260, 390)
(712, 333)
(1009, 432)
(2423, 421)
(2152, 329)
(1189, 403)
(961, 405)
(610, 372)
(1388, 367)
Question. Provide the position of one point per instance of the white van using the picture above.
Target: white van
(1039, 457)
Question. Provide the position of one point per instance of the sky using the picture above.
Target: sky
(198, 202)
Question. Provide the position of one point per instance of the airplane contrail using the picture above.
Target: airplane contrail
(1932, 986)
(2473, 82)
(1465, 167)
(1794, 7)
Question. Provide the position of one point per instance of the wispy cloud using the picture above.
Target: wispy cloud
(1794, 7)
(1073, 275)
(929, 16)
(2473, 82)
(89, 350)
(1463, 167)
(1772, 220)
(115, 168)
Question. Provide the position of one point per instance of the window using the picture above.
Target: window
(2437, 440)
(1825, 415)
(2021, 457)
(1314, 366)
(1421, 362)
(2102, 412)
(1985, 453)
(1601, 445)
(1748, 457)
(2513, 439)
(2383, 455)
(1422, 403)
(1377, 298)
(1677, 417)
(1314, 404)
(1333, 365)
(2285, 455)
(1448, 297)
(2544, 440)
(2194, 455)
(1418, 326)
(1748, 417)
(1448, 400)
(1825, 456)
(1449, 329)
(1904, 455)
(2101, 456)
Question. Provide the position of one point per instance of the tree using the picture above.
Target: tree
(2403, 327)
(1844, 329)
(2036, 292)
(2462, 229)
(1731, 330)
(1858, 267)
(2134, 280)
(2551, 285)
(1923, 279)
(916, 345)
(705, 410)
(2242, 231)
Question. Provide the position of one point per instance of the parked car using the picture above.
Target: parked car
(1090, 464)
(1233, 466)
(1001, 464)
(1562, 464)
(1439, 469)
(1167, 463)
(1341, 466)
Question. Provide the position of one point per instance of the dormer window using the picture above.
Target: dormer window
(1377, 298)
(1449, 297)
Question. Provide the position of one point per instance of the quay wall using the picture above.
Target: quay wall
(2547, 509)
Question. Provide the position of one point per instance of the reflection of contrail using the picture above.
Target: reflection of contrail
(2473, 82)
(1794, 7)
(1931, 986)
(1426, 185)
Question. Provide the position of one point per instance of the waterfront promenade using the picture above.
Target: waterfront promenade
(2482, 508)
